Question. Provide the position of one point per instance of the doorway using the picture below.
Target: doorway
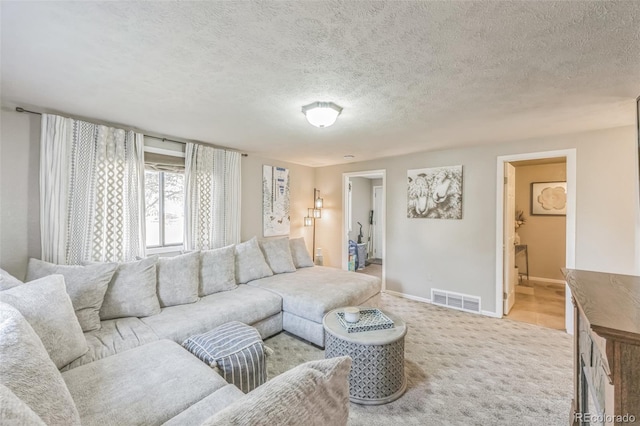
(364, 223)
(529, 286)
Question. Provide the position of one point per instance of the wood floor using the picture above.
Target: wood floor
(539, 303)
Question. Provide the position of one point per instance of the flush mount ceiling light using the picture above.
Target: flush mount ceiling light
(321, 114)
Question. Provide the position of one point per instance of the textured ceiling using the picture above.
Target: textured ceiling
(411, 76)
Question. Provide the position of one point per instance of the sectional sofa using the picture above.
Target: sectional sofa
(111, 336)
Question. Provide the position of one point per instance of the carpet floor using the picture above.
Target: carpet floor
(462, 369)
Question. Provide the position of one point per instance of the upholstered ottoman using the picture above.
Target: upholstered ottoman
(236, 351)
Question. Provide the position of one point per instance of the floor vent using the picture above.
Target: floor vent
(462, 302)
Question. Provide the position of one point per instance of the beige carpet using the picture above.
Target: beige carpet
(463, 369)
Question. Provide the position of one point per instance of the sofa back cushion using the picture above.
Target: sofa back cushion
(250, 262)
(8, 281)
(277, 253)
(13, 411)
(132, 291)
(217, 270)
(29, 373)
(45, 304)
(86, 285)
(299, 253)
(178, 279)
(314, 393)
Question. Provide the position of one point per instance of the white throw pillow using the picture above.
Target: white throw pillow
(299, 253)
(314, 394)
(217, 270)
(132, 292)
(250, 263)
(8, 281)
(178, 279)
(277, 253)
(47, 307)
(86, 285)
(14, 411)
(28, 372)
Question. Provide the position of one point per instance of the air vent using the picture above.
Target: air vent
(462, 302)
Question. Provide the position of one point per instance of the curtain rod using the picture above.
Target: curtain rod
(20, 109)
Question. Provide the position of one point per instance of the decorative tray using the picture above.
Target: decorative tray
(370, 319)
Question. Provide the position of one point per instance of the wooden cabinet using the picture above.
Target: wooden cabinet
(606, 348)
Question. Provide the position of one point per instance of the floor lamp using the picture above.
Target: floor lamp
(312, 214)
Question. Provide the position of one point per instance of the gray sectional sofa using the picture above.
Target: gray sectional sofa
(130, 369)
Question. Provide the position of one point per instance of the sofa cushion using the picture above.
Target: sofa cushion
(243, 304)
(8, 281)
(115, 336)
(147, 385)
(132, 291)
(45, 304)
(86, 285)
(277, 253)
(314, 393)
(250, 263)
(178, 279)
(299, 253)
(29, 373)
(217, 270)
(312, 292)
(202, 410)
(13, 411)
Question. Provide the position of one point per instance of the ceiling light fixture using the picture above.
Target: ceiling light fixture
(321, 114)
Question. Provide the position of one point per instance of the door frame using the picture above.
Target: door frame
(381, 173)
(570, 254)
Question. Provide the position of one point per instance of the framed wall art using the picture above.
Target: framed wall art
(549, 198)
(276, 217)
(435, 193)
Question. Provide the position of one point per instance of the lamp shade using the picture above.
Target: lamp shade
(321, 114)
(308, 221)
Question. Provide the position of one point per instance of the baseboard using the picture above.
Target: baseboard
(425, 300)
(547, 280)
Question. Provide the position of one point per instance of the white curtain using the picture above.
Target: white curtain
(212, 197)
(91, 192)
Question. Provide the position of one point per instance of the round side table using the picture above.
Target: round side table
(377, 372)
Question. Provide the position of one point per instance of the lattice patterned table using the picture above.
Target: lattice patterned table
(377, 373)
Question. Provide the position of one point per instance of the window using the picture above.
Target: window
(164, 198)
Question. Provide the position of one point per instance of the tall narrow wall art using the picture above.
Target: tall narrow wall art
(276, 217)
(435, 193)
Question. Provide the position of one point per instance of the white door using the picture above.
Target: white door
(509, 248)
(378, 222)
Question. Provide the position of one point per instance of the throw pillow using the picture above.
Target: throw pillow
(29, 373)
(217, 270)
(314, 393)
(178, 279)
(250, 263)
(86, 285)
(132, 291)
(47, 307)
(299, 253)
(8, 281)
(13, 411)
(278, 255)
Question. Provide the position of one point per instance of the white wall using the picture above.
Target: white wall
(19, 193)
(360, 207)
(459, 255)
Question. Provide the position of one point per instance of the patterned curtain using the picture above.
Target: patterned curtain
(212, 199)
(91, 192)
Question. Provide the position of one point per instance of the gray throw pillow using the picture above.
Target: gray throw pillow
(277, 253)
(86, 285)
(8, 281)
(299, 253)
(217, 270)
(250, 263)
(178, 279)
(47, 307)
(314, 394)
(28, 372)
(13, 411)
(132, 291)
